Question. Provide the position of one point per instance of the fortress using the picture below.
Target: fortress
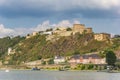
(77, 28)
(81, 29)
(69, 31)
(63, 31)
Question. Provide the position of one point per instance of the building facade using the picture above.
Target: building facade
(11, 51)
(81, 29)
(87, 59)
(102, 36)
(59, 59)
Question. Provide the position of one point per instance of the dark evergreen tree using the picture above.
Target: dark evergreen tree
(110, 57)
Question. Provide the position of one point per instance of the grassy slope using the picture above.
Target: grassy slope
(37, 47)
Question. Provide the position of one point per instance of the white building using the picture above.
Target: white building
(10, 51)
(59, 59)
(49, 32)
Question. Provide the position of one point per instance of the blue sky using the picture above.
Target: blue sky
(25, 16)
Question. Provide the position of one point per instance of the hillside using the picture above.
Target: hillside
(7, 42)
(36, 47)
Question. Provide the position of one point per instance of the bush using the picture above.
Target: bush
(90, 66)
(76, 53)
(68, 29)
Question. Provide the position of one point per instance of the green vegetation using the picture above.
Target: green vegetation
(30, 48)
(57, 29)
(110, 58)
(76, 53)
(68, 29)
(102, 54)
(116, 44)
(49, 29)
(51, 61)
(7, 42)
(88, 67)
(37, 48)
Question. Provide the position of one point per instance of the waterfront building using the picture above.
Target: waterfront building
(87, 59)
(59, 59)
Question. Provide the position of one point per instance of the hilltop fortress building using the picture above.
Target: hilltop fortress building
(63, 31)
(81, 29)
(69, 31)
(77, 28)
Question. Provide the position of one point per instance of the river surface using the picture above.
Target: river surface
(57, 75)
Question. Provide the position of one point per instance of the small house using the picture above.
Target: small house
(59, 59)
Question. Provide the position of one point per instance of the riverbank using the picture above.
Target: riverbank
(70, 70)
(87, 68)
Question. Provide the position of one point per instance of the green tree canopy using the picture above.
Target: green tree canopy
(49, 29)
(69, 29)
(110, 57)
(76, 53)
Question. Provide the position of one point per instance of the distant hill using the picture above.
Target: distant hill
(36, 47)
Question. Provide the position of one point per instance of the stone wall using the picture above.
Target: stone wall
(89, 30)
(78, 28)
(101, 36)
(66, 33)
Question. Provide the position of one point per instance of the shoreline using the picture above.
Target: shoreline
(113, 71)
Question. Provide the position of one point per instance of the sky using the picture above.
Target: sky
(20, 17)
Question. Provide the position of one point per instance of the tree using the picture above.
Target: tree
(49, 29)
(76, 53)
(69, 29)
(110, 57)
(51, 61)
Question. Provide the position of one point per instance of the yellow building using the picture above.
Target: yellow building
(89, 30)
(34, 33)
(81, 29)
(78, 28)
(62, 31)
(102, 36)
(30, 35)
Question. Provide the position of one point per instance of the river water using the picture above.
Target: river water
(57, 75)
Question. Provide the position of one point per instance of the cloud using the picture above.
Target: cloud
(64, 23)
(2, 2)
(46, 25)
(62, 4)
(76, 22)
(59, 8)
(13, 32)
(5, 31)
(40, 27)
(119, 12)
(21, 31)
